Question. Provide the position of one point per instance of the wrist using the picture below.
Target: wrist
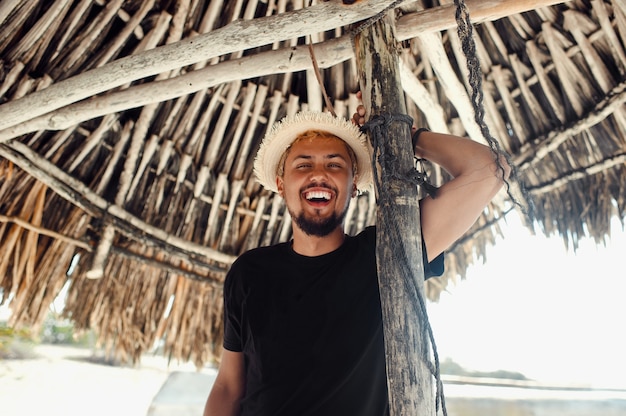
(415, 138)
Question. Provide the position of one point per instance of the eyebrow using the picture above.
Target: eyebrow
(328, 156)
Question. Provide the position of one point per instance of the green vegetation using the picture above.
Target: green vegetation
(15, 344)
(20, 344)
(59, 331)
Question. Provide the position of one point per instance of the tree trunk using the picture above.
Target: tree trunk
(399, 248)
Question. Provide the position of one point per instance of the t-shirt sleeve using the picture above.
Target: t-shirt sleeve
(434, 268)
(431, 269)
(232, 312)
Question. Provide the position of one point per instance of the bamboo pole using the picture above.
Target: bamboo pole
(398, 234)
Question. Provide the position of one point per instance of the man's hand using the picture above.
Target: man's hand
(358, 118)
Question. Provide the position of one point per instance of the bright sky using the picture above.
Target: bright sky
(538, 309)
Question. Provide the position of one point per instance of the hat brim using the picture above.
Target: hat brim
(284, 132)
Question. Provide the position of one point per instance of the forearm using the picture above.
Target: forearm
(222, 402)
(477, 178)
(458, 155)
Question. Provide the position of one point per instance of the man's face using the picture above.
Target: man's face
(317, 184)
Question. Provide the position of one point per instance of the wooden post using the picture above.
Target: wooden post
(399, 249)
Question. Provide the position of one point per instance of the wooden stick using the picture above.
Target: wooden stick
(177, 271)
(77, 52)
(13, 25)
(530, 154)
(416, 90)
(432, 43)
(35, 42)
(236, 36)
(78, 16)
(441, 18)
(80, 195)
(6, 7)
(45, 231)
(580, 174)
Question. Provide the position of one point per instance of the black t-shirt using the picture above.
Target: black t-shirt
(310, 329)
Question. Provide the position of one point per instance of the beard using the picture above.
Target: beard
(319, 227)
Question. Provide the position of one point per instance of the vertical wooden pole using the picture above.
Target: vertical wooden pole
(399, 249)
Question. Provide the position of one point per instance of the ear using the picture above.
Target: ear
(355, 191)
(280, 186)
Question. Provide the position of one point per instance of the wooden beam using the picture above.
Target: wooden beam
(578, 174)
(443, 17)
(80, 195)
(531, 153)
(53, 108)
(45, 231)
(290, 59)
(236, 36)
(398, 233)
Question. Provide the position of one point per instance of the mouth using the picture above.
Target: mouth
(317, 196)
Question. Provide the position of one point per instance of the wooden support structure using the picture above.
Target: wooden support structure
(63, 103)
(440, 18)
(399, 247)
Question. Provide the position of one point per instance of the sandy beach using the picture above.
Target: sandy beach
(61, 381)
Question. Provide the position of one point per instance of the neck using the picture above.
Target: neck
(309, 245)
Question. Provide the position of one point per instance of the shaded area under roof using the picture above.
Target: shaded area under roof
(148, 184)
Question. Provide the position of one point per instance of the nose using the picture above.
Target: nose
(318, 173)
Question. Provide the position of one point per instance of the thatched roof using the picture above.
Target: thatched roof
(128, 130)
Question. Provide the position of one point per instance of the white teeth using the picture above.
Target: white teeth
(318, 195)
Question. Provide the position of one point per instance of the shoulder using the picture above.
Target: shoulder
(431, 269)
(367, 234)
(260, 255)
(255, 262)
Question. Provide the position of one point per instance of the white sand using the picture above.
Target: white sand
(58, 384)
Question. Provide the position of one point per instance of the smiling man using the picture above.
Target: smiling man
(317, 183)
(302, 319)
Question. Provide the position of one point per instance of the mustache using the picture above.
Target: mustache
(318, 185)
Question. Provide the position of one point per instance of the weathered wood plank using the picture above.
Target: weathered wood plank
(443, 17)
(398, 236)
(234, 37)
(238, 35)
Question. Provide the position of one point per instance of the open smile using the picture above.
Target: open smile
(317, 196)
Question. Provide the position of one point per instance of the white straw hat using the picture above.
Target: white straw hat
(284, 132)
